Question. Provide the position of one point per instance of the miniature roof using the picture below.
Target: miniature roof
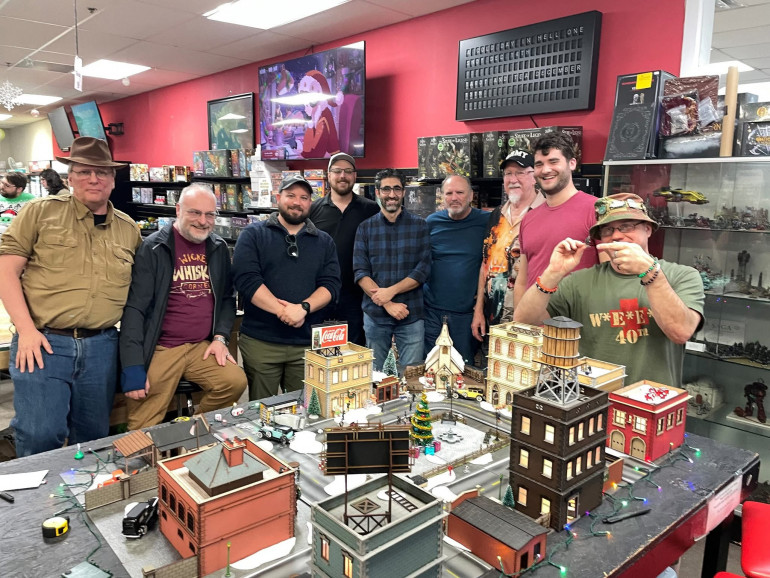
(132, 443)
(454, 356)
(211, 468)
(177, 435)
(563, 322)
(443, 337)
(282, 398)
(505, 525)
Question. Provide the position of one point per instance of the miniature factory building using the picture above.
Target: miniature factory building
(558, 431)
(338, 371)
(444, 364)
(647, 419)
(512, 366)
(495, 533)
(601, 374)
(233, 492)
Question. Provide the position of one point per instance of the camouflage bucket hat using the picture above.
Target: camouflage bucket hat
(620, 207)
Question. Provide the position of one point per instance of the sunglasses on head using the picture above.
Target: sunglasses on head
(606, 204)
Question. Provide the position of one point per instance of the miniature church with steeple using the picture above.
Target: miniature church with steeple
(444, 363)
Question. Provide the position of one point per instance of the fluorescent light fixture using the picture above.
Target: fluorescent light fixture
(37, 99)
(5, 116)
(231, 116)
(112, 70)
(267, 15)
(721, 67)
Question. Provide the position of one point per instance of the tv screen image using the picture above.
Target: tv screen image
(313, 106)
(62, 130)
(89, 120)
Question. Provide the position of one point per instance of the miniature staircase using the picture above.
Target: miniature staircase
(402, 501)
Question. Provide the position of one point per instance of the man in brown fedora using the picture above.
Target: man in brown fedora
(75, 252)
(636, 311)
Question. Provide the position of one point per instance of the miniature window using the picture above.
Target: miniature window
(309, 371)
(496, 369)
(526, 353)
(509, 373)
(522, 496)
(172, 502)
(679, 415)
(524, 458)
(191, 523)
(670, 420)
(345, 374)
(181, 511)
(335, 376)
(163, 513)
(524, 377)
(511, 350)
(444, 350)
(356, 372)
(569, 470)
(549, 434)
(547, 468)
(661, 425)
(599, 422)
(498, 346)
(589, 460)
(364, 370)
(525, 425)
(571, 438)
(580, 431)
(179, 533)
(598, 454)
(619, 418)
(324, 547)
(163, 494)
(347, 565)
(640, 424)
(591, 427)
(192, 548)
(545, 505)
(320, 375)
(579, 465)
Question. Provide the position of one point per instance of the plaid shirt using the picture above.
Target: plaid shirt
(389, 252)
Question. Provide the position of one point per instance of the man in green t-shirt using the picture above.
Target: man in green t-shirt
(635, 310)
(12, 197)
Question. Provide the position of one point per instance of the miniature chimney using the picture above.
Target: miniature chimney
(233, 450)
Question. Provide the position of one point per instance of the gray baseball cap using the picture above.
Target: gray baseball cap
(341, 157)
(295, 180)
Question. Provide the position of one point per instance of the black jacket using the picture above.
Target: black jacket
(148, 296)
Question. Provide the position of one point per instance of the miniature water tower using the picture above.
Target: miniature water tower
(560, 360)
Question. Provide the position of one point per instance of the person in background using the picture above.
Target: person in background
(76, 252)
(456, 238)
(179, 315)
(339, 214)
(52, 182)
(286, 271)
(12, 197)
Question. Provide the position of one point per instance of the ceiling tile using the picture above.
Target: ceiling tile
(325, 27)
(740, 18)
(121, 17)
(420, 8)
(92, 45)
(179, 59)
(201, 34)
(261, 46)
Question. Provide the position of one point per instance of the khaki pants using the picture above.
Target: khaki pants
(269, 365)
(222, 386)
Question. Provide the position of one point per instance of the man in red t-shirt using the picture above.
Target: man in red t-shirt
(179, 314)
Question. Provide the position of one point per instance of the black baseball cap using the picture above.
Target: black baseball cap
(295, 180)
(521, 158)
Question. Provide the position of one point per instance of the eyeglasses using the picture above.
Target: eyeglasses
(388, 190)
(196, 214)
(292, 250)
(607, 231)
(517, 174)
(101, 174)
(607, 204)
(339, 171)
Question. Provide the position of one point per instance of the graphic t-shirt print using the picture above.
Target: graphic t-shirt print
(630, 320)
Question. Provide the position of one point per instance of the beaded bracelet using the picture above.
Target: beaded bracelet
(651, 279)
(542, 289)
(648, 271)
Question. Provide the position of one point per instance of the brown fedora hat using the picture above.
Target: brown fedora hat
(87, 150)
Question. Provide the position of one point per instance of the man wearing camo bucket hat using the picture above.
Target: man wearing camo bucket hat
(636, 310)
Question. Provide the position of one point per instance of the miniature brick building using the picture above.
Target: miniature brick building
(558, 431)
(233, 492)
(444, 363)
(340, 379)
(601, 374)
(495, 533)
(647, 419)
(513, 366)
(410, 542)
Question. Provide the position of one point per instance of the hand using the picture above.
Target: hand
(565, 257)
(626, 258)
(138, 394)
(29, 352)
(398, 311)
(382, 295)
(293, 315)
(220, 351)
(478, 325)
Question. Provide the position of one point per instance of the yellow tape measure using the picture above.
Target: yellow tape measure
(56, 526)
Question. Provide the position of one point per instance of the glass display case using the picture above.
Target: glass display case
(714, 217)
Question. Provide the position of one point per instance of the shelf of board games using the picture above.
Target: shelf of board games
(714, 217)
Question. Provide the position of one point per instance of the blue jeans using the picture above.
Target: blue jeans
(459, 325)
(409, 341)
(70, 398)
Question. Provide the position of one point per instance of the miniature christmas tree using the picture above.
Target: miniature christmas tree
(389, 367)
(508, 498)
(314, 407)
(422, 429)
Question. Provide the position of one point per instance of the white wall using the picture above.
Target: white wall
(30, 142)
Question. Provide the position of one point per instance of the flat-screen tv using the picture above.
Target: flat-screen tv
(89, 120)
(313, 106)
(62, 130)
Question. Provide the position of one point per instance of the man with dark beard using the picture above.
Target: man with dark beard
(286, 271)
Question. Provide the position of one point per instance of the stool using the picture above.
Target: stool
(755, 561)
(184, 392)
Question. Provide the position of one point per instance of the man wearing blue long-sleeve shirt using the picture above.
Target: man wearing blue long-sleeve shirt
(391, 261)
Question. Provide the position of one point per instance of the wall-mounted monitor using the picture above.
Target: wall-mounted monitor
(89, 120)
(313, 106)
(62, 130)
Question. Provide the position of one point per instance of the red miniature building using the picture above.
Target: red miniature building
(233, 492)
(647, 419)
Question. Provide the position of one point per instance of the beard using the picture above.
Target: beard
(291, 218)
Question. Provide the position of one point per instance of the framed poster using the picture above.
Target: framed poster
(231, 122)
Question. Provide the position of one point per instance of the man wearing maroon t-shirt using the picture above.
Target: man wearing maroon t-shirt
(179, 314)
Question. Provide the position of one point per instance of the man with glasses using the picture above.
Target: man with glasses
(76, 253)
(339, 214)
(391, 261)
(566, 212)
(12, 197)
(636, 311)
(179, 315)
(286, 271)
(500, 256)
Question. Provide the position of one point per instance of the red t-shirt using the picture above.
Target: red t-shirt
(190, 311)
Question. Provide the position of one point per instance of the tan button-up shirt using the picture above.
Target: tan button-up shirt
(77, 273)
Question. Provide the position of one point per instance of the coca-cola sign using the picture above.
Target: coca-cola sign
(330, 336)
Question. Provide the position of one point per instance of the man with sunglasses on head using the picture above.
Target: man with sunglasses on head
(636, 311)
(286, 271)
(179, 314)
(391, 261)
(75, 252)
(339, 214)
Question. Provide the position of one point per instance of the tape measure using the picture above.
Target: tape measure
(56, 526)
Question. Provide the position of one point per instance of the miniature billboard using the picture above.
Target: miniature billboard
(367, 450)
(332, 335)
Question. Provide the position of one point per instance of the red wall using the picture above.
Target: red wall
(411, 71)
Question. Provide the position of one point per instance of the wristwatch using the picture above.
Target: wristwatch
(306, 306)
(222, 340)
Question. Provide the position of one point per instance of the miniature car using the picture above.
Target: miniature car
(279, 433)
(469, 393)
(139, 518)
(180, 418)
(678, 195)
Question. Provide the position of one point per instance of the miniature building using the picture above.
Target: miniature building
(513, 365)
(558, 431)
(411, 541)
(444, 363)
(340, 379)
(647, 419)
(288, 402)
(233, 492)
(387, 389)
(178, 438)
(490, 530)
(601, 374)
